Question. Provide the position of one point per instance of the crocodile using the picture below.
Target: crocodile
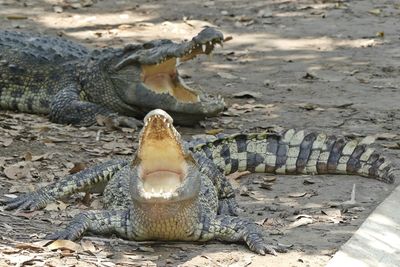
(72, 84)
(176, 190)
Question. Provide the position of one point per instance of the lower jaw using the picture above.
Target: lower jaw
(145, 100)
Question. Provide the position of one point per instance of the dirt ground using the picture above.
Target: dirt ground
(332, 66)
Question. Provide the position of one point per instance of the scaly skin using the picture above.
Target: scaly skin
(169, 191)
(72, 84)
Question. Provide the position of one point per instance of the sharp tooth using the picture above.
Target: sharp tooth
(203, 47)
(152, 190)
(190, 51)
(210, 43)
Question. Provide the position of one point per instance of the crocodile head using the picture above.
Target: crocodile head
(146, 77)
(164, 171)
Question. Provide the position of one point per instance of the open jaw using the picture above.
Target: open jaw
(162, 163)
(163, 76)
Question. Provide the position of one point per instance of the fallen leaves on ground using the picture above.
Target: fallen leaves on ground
(18, 170)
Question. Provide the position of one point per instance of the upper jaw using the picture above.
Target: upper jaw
(203, 43)
(158, 53)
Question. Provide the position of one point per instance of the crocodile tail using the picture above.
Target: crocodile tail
(297, 152)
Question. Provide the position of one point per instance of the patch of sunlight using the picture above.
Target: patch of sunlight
(55, 21)
(270, 42)
(127, 25)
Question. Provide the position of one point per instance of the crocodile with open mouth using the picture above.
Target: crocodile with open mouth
(55, 76)
(171, 190)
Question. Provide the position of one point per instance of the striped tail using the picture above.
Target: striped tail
(295, 152)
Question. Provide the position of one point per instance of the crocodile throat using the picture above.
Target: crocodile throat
(163, 76)
(163, 166)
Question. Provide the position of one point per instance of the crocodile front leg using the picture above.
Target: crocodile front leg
(68, 108)
(82, 181)
(98, 222)
(235, 229)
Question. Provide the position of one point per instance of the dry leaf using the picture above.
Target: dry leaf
(267, 186)
(310, 106)
(29, 157)
(59, 205)
(301, 221)
(392, 145)
(375, 11)
(146, 249)
(31, 246)
(214, 131)
(244, 191)
(65, 245)
(97, 204)
(236, 175)
(108, 122)
(386, 136)
(16, 17)
(309, 76)
(58, 9)
(79, 166)
(308, 181)
(332, 212)
(18, 170)
(2, 162)
(5, 141)
(88, 246)
(22, 260)
(247, 94)
(297, 194)
(269, 179)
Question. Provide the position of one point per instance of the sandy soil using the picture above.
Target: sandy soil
(324, 65)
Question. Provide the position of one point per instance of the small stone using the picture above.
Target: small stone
(224, 13)
(267, 83)
(58, 9)
(146, 249)
(264, 13)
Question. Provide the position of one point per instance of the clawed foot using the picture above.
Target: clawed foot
(30, 201)
(62, 235)
(74, 230)
(258, 244)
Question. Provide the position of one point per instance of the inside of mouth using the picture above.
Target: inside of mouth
(162, 162)
(164, 78)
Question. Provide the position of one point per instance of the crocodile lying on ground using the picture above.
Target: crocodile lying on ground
(176, 191)
(51, 75)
